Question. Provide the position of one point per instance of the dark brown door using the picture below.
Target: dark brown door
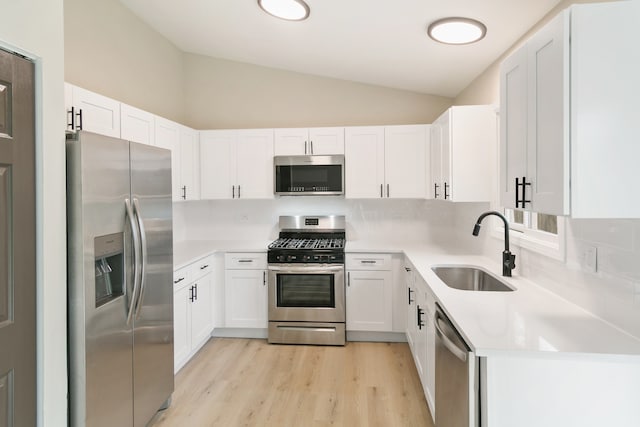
(17, 243)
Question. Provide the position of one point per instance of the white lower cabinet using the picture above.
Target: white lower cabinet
(192, 310)
(421, 331)
(246, 290)
(369, 293)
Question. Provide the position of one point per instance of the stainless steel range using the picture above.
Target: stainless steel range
(306, 281)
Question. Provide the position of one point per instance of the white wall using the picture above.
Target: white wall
(34, 28)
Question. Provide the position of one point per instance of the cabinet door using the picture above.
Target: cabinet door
(445, 154)
(201, 311)
(181, 327)
(245, 299)
(409, 278)
(217, 164)
(189, 164)
(364, 162)
(435, 190)
(99, 113)
(548, 117)
(405, 161)
(513, 125)
(420, 338)
(326, 141)
(291, 142)
(137, 125)
(255, 164)
(168, 136)
(430, 353)
(369, 301)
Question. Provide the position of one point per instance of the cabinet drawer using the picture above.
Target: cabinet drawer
(368, 262)
(245, 261)
(201, 267)
(181, 277)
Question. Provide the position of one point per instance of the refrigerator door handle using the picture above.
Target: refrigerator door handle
(143, 249)
(136, 258)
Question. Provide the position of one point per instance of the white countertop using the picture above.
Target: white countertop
(529, 320)
(186, 252)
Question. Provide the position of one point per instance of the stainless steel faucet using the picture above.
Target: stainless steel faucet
(508, 259)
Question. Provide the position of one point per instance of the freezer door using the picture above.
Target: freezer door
(99, 281)
(153, 318)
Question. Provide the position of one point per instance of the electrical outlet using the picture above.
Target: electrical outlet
(591, 259)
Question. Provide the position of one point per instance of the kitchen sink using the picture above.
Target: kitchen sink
(470, 279)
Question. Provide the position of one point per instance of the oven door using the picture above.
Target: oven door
(309, 293)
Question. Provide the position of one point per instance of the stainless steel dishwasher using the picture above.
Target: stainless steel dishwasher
(456, 377)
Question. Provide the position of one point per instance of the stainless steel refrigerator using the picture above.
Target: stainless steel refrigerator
(120, 295)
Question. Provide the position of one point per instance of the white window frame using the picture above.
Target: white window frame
(521, 235)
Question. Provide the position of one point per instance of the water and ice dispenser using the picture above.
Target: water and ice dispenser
(109, 267)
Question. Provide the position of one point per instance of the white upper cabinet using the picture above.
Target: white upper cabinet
(304, 141)
(189, 164)
(92, 112)
(573, 133)
(236, 164)
(364, 162)
(385, 162)
(137, 125)
(168, 136)
(534, 127)
(405, 161)
(463, 147)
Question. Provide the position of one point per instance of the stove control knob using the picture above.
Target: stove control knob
(316, 258)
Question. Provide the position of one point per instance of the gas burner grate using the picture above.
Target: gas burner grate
(294, 243)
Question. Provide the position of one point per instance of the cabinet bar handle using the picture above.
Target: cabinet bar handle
(311, 147)
(349, 279)
(195, 291)
(305, 147)
(184, 192)
(264, 278)
(517, 192)
(245, 260)
(410, 300)
(407, 269)
(178, 281)
(446, 187)
(420, 312)
(367, 261)
(435, 191)
(79, 115)
(238, 191)
(381, 191)
(204, 266)
(73, 118)
(387, 190)
(233, 191)
(191, 297)
(524, 191)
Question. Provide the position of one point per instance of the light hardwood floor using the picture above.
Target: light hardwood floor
(247, 382)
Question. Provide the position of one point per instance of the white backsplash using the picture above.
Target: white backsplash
(413, 221)
(612, 293)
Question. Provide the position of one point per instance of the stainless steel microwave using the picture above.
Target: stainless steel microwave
(309, 175)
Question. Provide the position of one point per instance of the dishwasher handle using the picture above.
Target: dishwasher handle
(460, 353)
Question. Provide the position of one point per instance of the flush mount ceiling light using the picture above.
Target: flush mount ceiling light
(291, 10)
(457, 30)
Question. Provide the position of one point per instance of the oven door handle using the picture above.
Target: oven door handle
(319, 269)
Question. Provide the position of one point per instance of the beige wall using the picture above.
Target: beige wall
(110, 51)
(226, 94)
(485, 89)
